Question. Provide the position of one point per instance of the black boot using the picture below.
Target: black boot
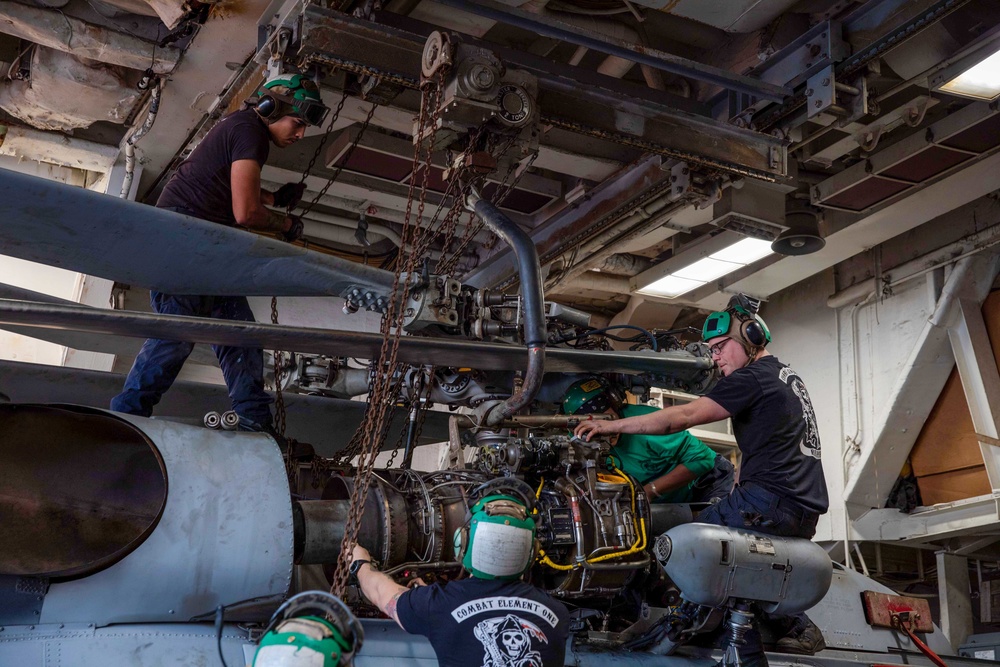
(804, 640)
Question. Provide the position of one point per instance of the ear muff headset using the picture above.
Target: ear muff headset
(754, 331)
(301, 99)
(741, 322)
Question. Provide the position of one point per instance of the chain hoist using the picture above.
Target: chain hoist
(385, 377)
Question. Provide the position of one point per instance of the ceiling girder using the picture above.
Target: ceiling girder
(333, 38)
(637, 53)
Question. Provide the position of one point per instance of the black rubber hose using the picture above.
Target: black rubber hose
(533, 302)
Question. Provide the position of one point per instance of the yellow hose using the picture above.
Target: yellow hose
(640, 539)
(637, 546)
(545, 560)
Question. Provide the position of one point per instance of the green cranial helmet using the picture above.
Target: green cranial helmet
(312, 629)
(739, 321)
(291, 94)
(594, 394)
(296, 86)
(500, 541)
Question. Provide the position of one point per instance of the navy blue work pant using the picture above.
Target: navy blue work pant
(159, 361)
(752, 507)
(716, 484)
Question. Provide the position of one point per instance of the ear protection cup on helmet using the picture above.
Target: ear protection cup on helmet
(266, 106)
(753, 333)
(461, 543)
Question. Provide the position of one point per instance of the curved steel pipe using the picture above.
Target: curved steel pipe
(533, 305)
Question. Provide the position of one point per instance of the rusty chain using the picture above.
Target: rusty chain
(347, 156)
(386, 376)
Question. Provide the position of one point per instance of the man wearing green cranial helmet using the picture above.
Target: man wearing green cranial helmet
(311, 629)
(781, 489)
(491, 618)
(220, 182)
(672, 468)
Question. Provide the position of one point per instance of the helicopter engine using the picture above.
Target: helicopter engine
(592, 520)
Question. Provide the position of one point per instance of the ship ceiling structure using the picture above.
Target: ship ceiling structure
(643, 137)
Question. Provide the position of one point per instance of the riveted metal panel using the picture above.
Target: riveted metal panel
(225, 536)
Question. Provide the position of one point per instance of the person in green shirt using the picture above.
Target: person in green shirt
(676, 468)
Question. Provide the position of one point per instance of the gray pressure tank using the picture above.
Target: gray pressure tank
(713, 564)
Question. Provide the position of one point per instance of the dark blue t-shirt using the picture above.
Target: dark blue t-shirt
(775, 428)
(202, 183)
(481, 623)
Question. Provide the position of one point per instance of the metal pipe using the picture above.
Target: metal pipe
(154, 106)
(535, 331)
(530, 421)
(844, 88)
(317, 229)
(56, 30)
(411, 436)
(637, 53)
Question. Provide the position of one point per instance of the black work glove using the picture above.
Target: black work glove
(289, 194)
(294, 232)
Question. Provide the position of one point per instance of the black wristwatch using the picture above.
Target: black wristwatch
(352, 572)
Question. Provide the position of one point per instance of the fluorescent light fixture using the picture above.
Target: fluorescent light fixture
(744, 252)
(974, 76)
(693, 275)
(670, 286)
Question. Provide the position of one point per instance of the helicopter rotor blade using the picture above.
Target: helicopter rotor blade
(413, 350)
(73, 228)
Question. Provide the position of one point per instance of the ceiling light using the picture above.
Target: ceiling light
(744, 252)
(670, 286)
(976, 76)
(711, 260)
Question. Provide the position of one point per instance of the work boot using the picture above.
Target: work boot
(757, 659)
(805, 641)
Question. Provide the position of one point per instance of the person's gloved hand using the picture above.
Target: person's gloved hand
(294, 232)
(289, 194)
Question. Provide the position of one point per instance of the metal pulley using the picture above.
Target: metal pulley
(437, 54)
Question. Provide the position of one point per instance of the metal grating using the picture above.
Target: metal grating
(866, 194)
(927, 164)
(946, 146)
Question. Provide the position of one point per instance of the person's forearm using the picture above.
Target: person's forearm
(266, 220)
(658, 422)
(266, 198)
(675, 479)
(380, 590)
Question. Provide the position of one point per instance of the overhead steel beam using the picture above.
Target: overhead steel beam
(637, 53)
(412, 350)
(104, 236)
(977, 367)
(640, 121)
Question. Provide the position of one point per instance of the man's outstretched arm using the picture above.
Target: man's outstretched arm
(379, 588)
(668, 420)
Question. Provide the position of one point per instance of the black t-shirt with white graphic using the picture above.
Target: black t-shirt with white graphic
(483, 623)
(202, 182)
(775, 428)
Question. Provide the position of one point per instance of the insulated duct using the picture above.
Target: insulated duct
(58, 31)
(65, 93)
(533, 302)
